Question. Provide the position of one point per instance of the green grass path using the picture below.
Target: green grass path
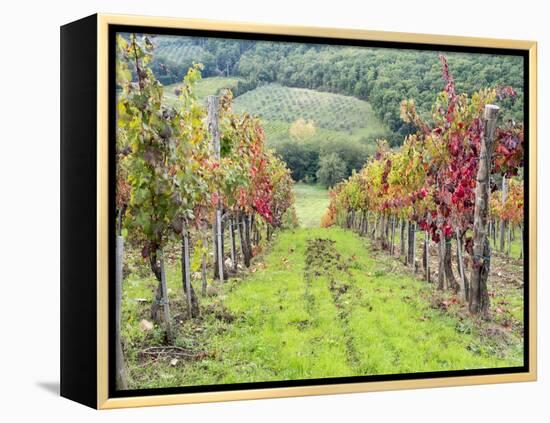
(311, 201)
(391, 325)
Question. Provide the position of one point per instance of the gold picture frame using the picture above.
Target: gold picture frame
(102, 398)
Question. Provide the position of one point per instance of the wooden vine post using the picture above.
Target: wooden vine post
(502, 221)
(203, 262)
(411, 245)
(120, 365)
(186, 271)
(463, 283)
(441, 264)
(413, 252)
(402, 240)
(479, 296)
(164, 296)
(213, 128)
(392, 246)
(427, 255)
(232, 244)
(241, 224)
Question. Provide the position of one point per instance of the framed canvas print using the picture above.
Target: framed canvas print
(255, 211)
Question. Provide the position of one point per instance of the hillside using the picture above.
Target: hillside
(274, 102)
(333, 115)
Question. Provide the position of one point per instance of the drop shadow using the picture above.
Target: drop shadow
(51, 387)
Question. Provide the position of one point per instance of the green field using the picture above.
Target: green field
(311, 203)
(274, 102)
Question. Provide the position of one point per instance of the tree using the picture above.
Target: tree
(353, 154)
(302, 130)
(190, 177)
(282, 196)
(511, 211)
(331, 170)
(301, 158)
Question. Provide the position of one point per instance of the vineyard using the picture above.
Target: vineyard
(274, 102)
(232, 266)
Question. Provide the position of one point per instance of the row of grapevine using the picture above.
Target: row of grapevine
(438, 183)
(184, 171)
(506, 215)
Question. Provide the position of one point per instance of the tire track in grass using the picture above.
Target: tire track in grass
(324, 260)
(284, 336)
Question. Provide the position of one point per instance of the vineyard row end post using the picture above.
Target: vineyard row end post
(213, 128)
(479, 297)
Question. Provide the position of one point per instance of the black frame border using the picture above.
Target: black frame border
(114, 29)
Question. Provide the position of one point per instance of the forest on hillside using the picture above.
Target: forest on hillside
(261, 73)
(383, 76)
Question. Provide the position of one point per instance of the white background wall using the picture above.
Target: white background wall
(29, 205)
